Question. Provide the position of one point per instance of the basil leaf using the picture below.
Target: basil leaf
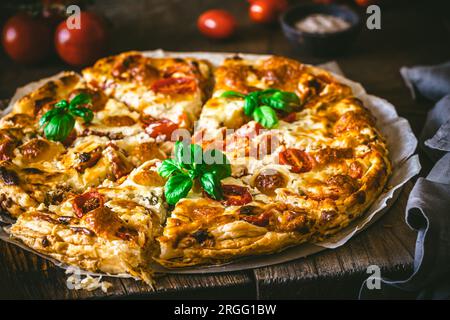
(289, 97)
(62, 104)
(217, 162)
(250, 103)
(232, 94)
(48, 115)
(177, 187)
(266, 116)
(84, 113)
(179, 152)
(276, 103)
(188, 156)
(196, 154)
(211, 184)
(196, 157)
(167, 168)
(80, 99)
(59, 127)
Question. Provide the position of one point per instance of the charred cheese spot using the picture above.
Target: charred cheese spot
(86, 202)
(250, 210)
(88, 159)
(330, 155)
(327, 216)
(7, 145)
(233, 77)
(353, 121)
(136, 68)
(106, 224)
(281, 73)
(9, 177)
(119, 121)
(268, 180)
(120, 166)
(37, 150)
(41, 106)
(293, 220)
(341, 185)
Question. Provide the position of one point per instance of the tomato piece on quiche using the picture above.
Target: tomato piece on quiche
(171, 88)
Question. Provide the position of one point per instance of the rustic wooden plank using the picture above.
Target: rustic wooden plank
(27, 275)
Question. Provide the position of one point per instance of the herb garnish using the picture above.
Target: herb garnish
(191, 164)
(262, 105)
(60, 120)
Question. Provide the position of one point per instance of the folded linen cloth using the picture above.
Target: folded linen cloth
(432, 82)
(428, 207)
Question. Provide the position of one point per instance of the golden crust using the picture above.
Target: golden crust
(97, 201)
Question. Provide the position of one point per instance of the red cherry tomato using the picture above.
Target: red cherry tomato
(365, 3)
(160, 127)
(298, 159)
(235, 195)
(262, 11)
(280, 5)
(217, 24)
(27, 39)
(175, 85)
(80, 47)
(266, 11)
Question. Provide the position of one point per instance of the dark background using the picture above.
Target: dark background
(413, 32)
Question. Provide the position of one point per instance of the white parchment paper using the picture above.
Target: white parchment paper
(401, 143)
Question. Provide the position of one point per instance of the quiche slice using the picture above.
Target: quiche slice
(245, 76)
(108, 229)
(44, 171)
(164, 89)
(303, 180)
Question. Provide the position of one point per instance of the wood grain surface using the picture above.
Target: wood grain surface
(413, 32)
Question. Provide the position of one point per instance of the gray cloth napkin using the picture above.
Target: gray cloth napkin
(428, 207)
(432, 82)
(435, 137)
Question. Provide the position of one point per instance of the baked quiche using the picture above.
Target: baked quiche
(281, 153)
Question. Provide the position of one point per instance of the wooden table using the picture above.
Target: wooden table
(412, 33)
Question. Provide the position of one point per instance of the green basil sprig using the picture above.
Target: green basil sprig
(262, 105)
(59, 121)
(191, 164)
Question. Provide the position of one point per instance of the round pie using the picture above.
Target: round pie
(97, 199)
